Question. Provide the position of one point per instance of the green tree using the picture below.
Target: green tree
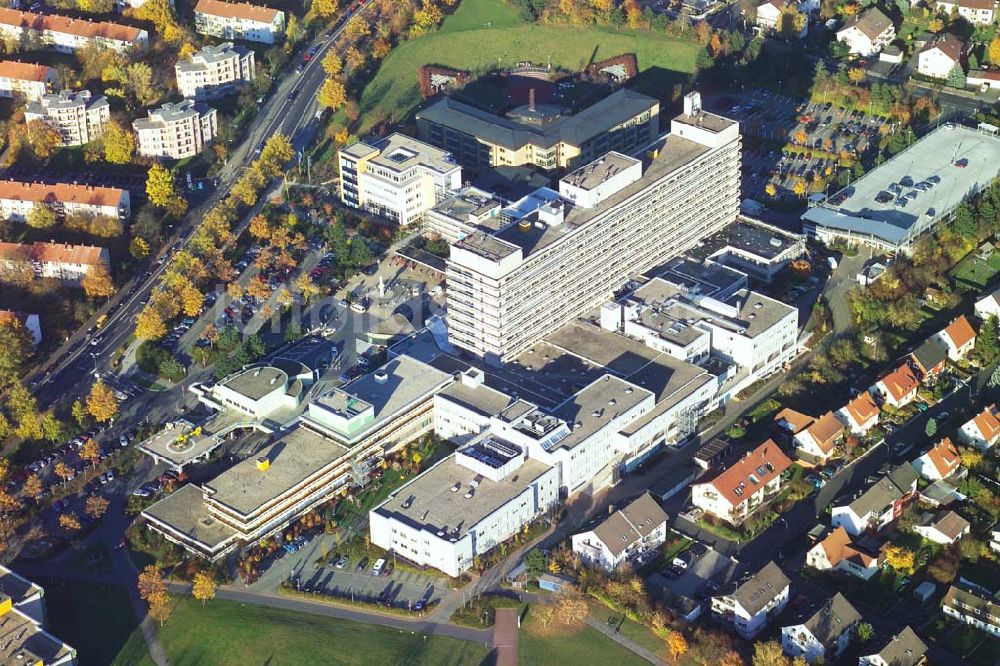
(956, 77)
(865, 632)
(931, 428)
(41, 216)
(80, 414)
(15, 348)
(535, 564)
(159, 185)
(361, 254)
(987, 341)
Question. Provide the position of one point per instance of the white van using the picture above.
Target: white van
(378, 566)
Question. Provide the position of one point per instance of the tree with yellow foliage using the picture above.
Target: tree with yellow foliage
(191, 300)
(97, 506)
(677, 644)
(203, 588)
(149, 324)
(856, 75)
(900, 558)
(97, 282)
(426, 18)
(69, 522)
(332, 64)
(33, 487)
(259, 228)
(119, 146)
(91, 451)
(325, 8)
(101, 402)
(332, 94)
(355, 57)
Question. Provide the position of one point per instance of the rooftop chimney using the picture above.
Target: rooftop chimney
(531, 99)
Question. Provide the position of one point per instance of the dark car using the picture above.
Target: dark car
(292, 95)
(363, 564)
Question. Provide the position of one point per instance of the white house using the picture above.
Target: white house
(989, 305)
(977, 12)
(769, 15)
(939, 462)
(626, 535)
(940, 55)
(878, 506)
(959, 337)
(822, 633)
(750, 604)
(899, 387)
(902, 649)
(860, 414)
(983, 430)
(735, 492)
(973, 607)
(27, 79)
(818, 440)
(868, 32)
(945, 528)
(838, 552)
(239, 20)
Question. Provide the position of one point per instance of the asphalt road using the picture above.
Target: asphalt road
(290, 110)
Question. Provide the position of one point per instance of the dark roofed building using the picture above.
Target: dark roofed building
(625, 535)
(903, 649)
(822, 632)
(930, 358)
(749, 604)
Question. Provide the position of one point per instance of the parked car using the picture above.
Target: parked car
(363, 564)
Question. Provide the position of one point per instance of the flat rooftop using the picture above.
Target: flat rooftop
(22, 642)
(593, 174)
(481, 399)
(619, 355)
(760, 241)
(407, 381)
(705, 120)
(697, 277)
(177, 446)
(757, 312)
(400, 153)
(596, 406)
(428, 500)
(255, 383)
(299, 454)
(933, 156)
(674, 153)
(185, 512)
(15, 586)
(469, 205)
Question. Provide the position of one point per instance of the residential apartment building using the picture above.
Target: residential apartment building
(215, 71)
(959, 337)
(17, 199)
(940, 55)
(26, 79)
(823, 633)
(627, 535)
(977, 12)
(735, 492)
(941, 461)
(983, 430)
(239, 20)
(902, 649)
(973, 606)
(860, 414)
(176, 130)
(65, 34)
(868, 33)
(58, 261)
(878, 506)
(397, 177)
(750, 604)
(23, 637)
(612, 219)
(78, 116)
(541, 135)
(838, 552)
(461, 508)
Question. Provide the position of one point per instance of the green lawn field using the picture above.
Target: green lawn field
(465, 42)
(225, 632)
(586, 646)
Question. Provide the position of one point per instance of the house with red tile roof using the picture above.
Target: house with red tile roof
(816, 443)
(27, 79)
(59, 261)
(959, 337)
(899, 387)
(982, 430)
(839, 553)
(861, 414)
(239, 20)
(68, 34)
(940, 462)
(735, 492)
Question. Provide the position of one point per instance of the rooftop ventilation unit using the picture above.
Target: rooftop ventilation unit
(381, 376)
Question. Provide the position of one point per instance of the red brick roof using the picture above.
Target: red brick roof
(900, 382)
(763, 464)
(61, 192)
(243, 10)
(960, 332)
(23, 71)
(70, 26)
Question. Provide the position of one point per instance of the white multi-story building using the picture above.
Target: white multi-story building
(57, 261)
(734, 493)
(17, 199)
(627, 535)
(239, 20)
(822, 633)
(65, 34)
(977, 12)
(902, 649)
(176, 130)
(868, 33)
(27, 79)
(465, 505)
(974, 607)
(940, 55)
(215, 71)
(78, 116)
(397, 177)
(751, 604)
(613, 218)
(23, 638)
(464, 212)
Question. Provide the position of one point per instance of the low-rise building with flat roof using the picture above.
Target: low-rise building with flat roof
(891, 206)
(758, 249)
(466, 211)
(23, 638)
(465, 505)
